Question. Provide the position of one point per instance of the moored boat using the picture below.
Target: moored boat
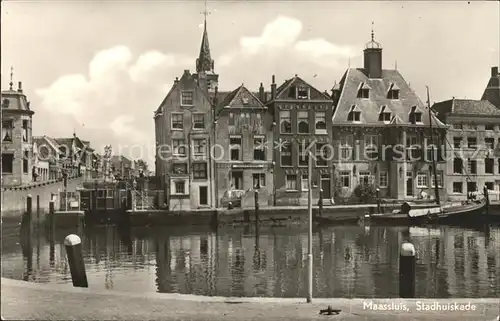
(441, 214)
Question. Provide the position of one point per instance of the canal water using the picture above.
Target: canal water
(349, 261)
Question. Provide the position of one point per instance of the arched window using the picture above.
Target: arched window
(303, 122)
(285, 122)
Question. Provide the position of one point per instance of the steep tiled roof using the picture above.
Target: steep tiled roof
(282, 92)
(204, 61)
(492, 91)
(234, 99)
(466, 107)
(354, 79)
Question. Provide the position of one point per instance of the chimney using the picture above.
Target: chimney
(20, 86)
(176, 80)
(261, 93)
(373, 62)
(494, 71)
(273, 88)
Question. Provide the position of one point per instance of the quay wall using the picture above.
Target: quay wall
(14, 201)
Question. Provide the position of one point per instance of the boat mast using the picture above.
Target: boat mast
(434, 170)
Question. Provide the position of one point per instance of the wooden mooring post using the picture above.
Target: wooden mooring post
(256, 200)
(407, 271)
(74, 251)
(38, 208)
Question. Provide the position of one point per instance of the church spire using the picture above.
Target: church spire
(204, 62)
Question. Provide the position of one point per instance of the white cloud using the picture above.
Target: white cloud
(149, 62)
(278, 34)
(280, 37)
(123, 126)
(114, 103)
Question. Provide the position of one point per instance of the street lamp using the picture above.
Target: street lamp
(309, 238)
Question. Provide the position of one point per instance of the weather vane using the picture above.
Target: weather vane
(205, 12)
(11, 76)
(373, 34)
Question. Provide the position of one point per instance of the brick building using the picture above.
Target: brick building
(243, 156)
(301, 118)
(492, 90)
(376, 110)
(17, 142)
(184, 135)
(473, 159)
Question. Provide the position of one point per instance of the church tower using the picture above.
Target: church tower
(205, 75)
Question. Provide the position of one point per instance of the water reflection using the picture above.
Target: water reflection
(349, 261)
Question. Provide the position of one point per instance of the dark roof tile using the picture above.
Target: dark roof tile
(353, 79)
(466, 107)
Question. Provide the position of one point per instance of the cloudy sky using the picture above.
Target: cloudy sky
(101, 68)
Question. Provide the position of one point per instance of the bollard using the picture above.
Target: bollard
(321, 201)
(407, 268)
(256, 200)
(73, 245)
(378, 201)
(38, 208)
(487, 198)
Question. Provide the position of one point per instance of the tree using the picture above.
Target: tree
(141, 164)
(365, 193)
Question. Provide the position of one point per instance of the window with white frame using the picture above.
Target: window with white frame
(285, 122)
(439, 175)
(259, 180)
(345, 178)
(371, 147)
(180, 187)
(235, 147)
(200, 170)
(364, 178)
(322, 154)
(199, 146)
(179, 147)
(302, 92)
(7, 130)
(303, 154)
(304, 182)
(259, 150)
(291, 182)
(346, 150)
(177, 121)
(231, 118)
(415, 115)
(320, 122)
(286, 153)
(303, 122)
(421, 180)
(412, 147)
(187, 98)
(198, 121)
(458, 187)
(179, 168)
(383, 179)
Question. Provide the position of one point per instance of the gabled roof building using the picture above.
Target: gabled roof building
(375, 111)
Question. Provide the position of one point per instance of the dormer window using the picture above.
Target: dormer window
(302, 92)
(393, 92)
(354, 114)
(384, 114)
(245, 101)
(186, 98)
(415, 116)
(364, 91)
